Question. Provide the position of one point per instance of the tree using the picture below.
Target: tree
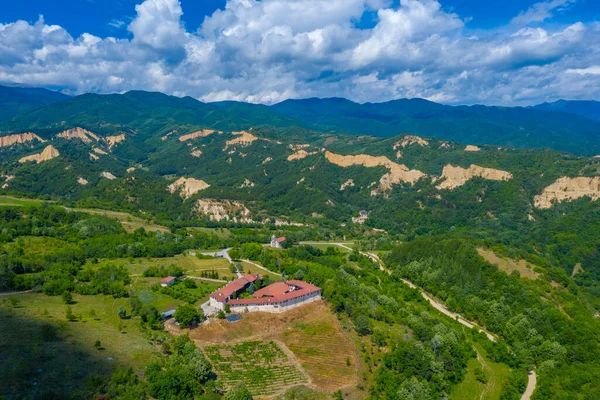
(251, 288)
(122, 313)
(362, 325)
(235, 254)
(238, 392)
(227, 308)
(98, 345)
(221, 315)
(186, 315)
(338, 395)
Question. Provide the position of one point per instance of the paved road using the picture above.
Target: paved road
(15, 293)
(531, 383)
(219, 254)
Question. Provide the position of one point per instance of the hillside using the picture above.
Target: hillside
(15, 100)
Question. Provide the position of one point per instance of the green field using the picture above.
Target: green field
(18, 202)
(263, 367)
(42, 350)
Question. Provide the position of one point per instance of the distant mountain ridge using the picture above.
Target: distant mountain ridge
(15, 100)
(572, 127)
(585, 108)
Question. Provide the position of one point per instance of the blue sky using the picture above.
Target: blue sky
(453, 51)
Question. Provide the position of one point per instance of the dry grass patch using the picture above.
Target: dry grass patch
(508, 265)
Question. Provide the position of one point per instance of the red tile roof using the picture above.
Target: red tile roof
(280, 239)
(275, 289)
(167, 279)
(295, 289)
(232, 287)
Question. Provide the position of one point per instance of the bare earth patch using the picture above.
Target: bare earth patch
(398, 173)
(507, 265)
(48, 154)
(458, 176)
(568, 189)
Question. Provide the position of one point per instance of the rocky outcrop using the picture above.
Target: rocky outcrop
(243, 139)
(398, 173)
(187, 187)
(410, 139)
(196, 153)
(20, 138)
(98, 150)
(48, 154)
(223, 210)
(130, 170)
(299, 155)
(82, 181)
(94, 157)
(78, 133)
(113, 140)
(472, 148)
(348, 183)
(568, 189)
(247, 184)
(458, 176)
(266, 160)
(198, 134)
(108, 175)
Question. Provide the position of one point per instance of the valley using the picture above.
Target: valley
(444, 269)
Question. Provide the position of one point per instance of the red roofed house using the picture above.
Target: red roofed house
(220, 297)
(278, 297)
(168, 281)
(277, 242)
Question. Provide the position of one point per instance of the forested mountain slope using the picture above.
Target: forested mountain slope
(585, 108)
(15, 100)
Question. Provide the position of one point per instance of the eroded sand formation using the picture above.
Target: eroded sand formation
(48, 154)
(98, 150)
(78, 133)
(247, 184)
(300, 154)
(568, 189)
(82, 181)
(187, 187)
(94, 157)
(198, 134)
(458, 176)
(219, 210)
(348, 183)
(410, 139)
(243, 139)
(108, 175)
(113, 140)
(472, 148)
(196, 153)
(398, 173)
(20, 138)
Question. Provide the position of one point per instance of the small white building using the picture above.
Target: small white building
(277, 242)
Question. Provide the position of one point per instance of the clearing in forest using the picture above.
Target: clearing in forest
(263, 366)
(507, 265)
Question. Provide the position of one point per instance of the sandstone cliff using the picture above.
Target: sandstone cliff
(113, 140)
(458, 176)
(48, 154)
(20, 138)
(568, 189)
(299, 155)
(78, 133)
(187, 187)
(223, 210)
(398, 173)
(410, 139)
(198, 134)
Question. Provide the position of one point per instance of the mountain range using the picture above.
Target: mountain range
(570, 126)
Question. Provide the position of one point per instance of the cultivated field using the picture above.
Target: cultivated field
(263, 366)
(311, 332)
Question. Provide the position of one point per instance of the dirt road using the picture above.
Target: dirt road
(531, 383)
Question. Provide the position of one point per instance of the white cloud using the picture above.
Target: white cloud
(270, 50)
(542, 11)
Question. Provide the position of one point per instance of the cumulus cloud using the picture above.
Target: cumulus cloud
(270, 50)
